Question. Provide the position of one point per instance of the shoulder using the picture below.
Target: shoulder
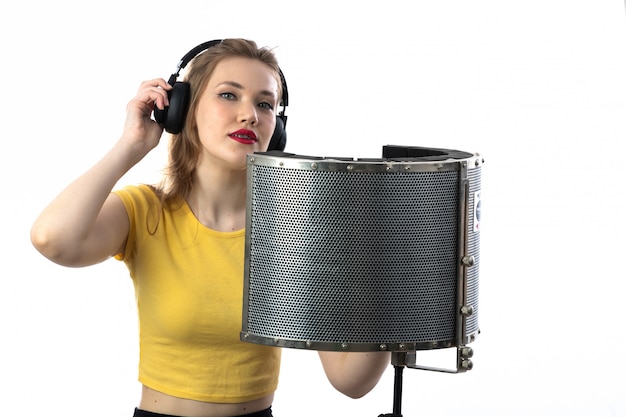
(140, 201)
(137, 192)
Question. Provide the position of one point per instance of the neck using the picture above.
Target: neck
(218, 199)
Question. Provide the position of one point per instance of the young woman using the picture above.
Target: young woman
(183, 240)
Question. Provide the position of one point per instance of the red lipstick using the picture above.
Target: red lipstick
(245, 136)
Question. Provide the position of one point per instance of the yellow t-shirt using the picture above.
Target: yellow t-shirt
(189, 288)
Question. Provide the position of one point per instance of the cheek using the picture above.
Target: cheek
(269, 126)
(207, 122)
(208, 115)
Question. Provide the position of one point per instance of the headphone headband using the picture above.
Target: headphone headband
(189, 56)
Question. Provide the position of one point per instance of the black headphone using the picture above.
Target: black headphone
(173, 116)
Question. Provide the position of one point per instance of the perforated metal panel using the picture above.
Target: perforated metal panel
(355, 255)
(473, 249)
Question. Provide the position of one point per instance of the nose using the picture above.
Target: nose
(248, 114)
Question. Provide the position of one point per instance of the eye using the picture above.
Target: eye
(266, 105)
(227, 96)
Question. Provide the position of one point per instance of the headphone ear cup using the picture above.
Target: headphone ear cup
(172, 118)
(279, 137)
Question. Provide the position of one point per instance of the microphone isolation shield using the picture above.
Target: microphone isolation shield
(363, 254)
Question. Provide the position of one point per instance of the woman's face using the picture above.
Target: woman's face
(236, 113)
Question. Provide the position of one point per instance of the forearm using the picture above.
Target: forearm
(354, 373)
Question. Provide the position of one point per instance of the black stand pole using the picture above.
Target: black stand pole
(398, 360)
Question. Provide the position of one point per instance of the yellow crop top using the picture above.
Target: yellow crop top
(189, 288)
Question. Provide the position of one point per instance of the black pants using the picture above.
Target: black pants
(141, 413)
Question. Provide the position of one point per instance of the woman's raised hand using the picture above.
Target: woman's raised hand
(140, 130)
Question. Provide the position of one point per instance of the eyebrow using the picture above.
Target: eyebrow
(241, 87)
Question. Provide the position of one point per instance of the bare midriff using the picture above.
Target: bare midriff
(158, 402)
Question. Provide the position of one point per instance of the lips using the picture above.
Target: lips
(245, 136)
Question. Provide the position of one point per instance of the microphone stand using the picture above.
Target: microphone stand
(398, 360)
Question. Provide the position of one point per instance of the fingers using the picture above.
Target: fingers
(139, 109)
(154, 93)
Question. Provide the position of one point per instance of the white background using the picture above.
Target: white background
(538, 87)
